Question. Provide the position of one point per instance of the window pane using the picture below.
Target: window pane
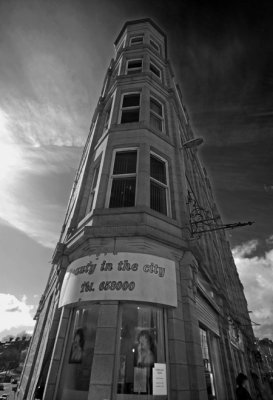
(76, 370)
(156, 122)
(135, 64)
(154, 45)
(125, 162)
(156, 106)
(141, 345)
(158, 200)
(155, 70)
(107, 119)
(158, 169)
(123, 193)
(93, 190)
(130, 116)
(131, 100)
(95, 177)
(137, 40)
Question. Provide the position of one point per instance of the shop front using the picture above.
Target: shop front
(208, 317)
(141, 288)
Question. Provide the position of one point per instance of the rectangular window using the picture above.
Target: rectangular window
(130, 108)
(155, 70)
(134, 67)
(156, 114)
(120, 45)
(207, 364)
(136, 40)
(123, 177)
(93, 190)
(116, 70)
(78, 355)
(155, 45)
(107, 117)
(142, 348)
(158, 185)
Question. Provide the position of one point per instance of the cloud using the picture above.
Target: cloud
(15, 315)
(246, 249)
(269, 240)
(268, 188)
(256, 274)
(44, 121)
(14, 309)
(41, 222)
(28, 162)
(42, 124)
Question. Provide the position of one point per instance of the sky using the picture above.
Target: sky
(54, 55)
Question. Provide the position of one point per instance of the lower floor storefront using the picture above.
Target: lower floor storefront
(140, 368)
(130, 326)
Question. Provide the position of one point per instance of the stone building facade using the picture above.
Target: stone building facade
(140, 303)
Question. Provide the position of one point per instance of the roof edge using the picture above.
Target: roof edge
(138, 21)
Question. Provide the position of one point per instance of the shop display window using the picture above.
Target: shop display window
(78, 358)
(142, 358)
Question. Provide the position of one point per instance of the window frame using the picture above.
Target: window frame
(93, 188)
(165, 186)
(134, 71)
(129, 108)
(108, 112)
(116, 69)
(143, 396)
(136, 37)
(156, 115)
(208, 334)
(121, 44)
(68, 342)
(155, 45)
(120, 176)
(152, 63)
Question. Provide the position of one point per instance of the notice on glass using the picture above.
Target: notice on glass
(159, 380)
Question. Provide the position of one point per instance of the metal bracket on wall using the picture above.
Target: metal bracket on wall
(201, 220)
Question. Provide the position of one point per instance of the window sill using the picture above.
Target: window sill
(135, 210)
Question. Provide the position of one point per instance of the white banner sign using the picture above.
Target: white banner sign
(122, 276)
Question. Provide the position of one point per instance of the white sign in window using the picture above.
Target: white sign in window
(159, 380)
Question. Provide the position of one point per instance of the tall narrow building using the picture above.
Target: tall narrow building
(143, 299)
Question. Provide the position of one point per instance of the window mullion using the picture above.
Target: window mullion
(160, 183)
(124, 175)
